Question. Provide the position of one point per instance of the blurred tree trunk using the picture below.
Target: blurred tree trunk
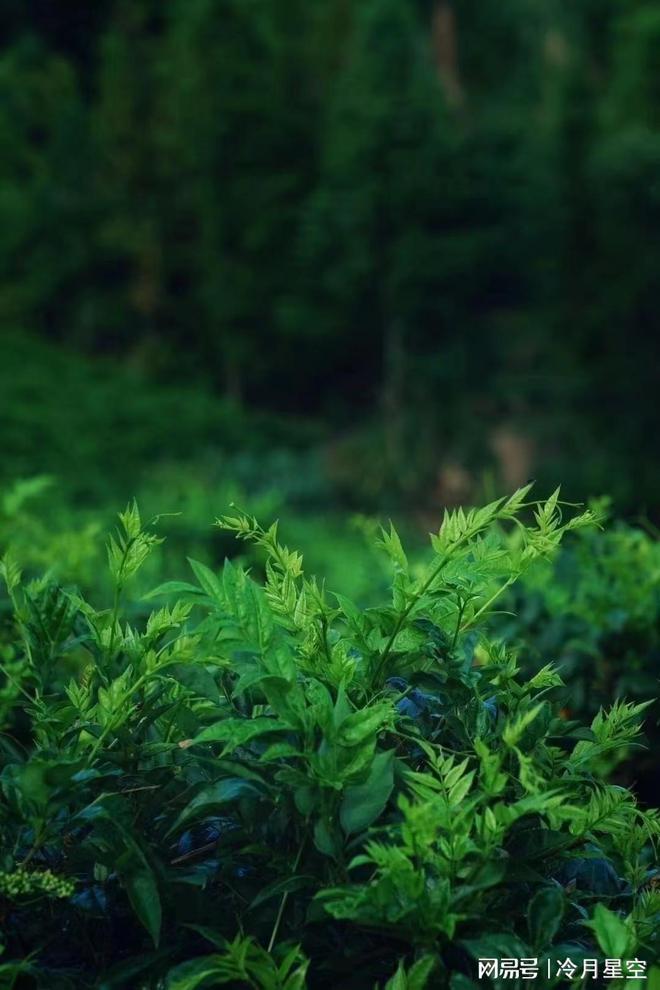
(445, 47)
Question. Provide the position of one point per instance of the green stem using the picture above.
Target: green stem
(487, 605)
(409, 607)
(115, 619)
(324, 637)
(462, 605)
(17, 684)
(285, 896)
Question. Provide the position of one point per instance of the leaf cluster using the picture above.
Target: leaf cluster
(264, 785)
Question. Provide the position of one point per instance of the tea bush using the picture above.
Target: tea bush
(261, 784)
(595, 611)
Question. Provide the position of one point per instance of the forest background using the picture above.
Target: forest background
(326, 258)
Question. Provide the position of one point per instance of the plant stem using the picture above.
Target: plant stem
(285, 896)
(487, 605)
(409, 607)
(324, 636)
(462, 605)
(115, 618)
(17, 684)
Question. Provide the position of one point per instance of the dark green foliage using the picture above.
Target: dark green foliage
(45, 248)
(264, 785)
(595, 612)
(102, 430)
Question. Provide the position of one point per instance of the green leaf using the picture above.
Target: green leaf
(398, 981)
(253, 678)
(195, 677)
(514, 730)
(326, 839)
(172, 588)
(488, 875)
(286, 886)
(460, 789)
(420, 972)
(653, 982)
(363, 803)
(496, 946)
(391, 544)
(544, 916)
(212, 797)
(547, 677)
(208, 581)
(613, 934)
(352, 613)
(237, 731)
(358, 726)
(305, 798)
(140, 884)
(279, 750)
(190, 975)
(280, 663)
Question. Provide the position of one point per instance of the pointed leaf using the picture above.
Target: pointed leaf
(363, 803)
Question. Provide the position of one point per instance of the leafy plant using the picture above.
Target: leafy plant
(595, 610)
(264, 785)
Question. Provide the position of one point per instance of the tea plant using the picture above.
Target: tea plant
(595, 610)
(263, 785)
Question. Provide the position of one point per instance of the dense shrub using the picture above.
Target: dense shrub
(595, 611)
(264, 785)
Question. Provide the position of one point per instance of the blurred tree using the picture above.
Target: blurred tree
(46, 206)
(239, 107)
(413, 221)
(129, 175)
(370, 234)
(625, 174)
(70, 29)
